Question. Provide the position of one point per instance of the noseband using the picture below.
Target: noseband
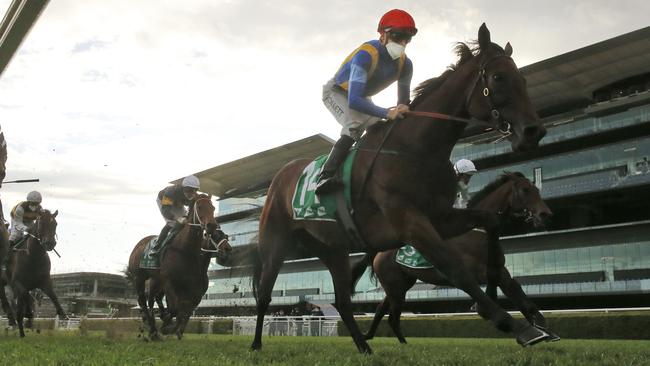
(196, 221)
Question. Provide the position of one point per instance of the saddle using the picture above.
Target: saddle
(154, 251)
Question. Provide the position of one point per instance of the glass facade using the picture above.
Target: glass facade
(604, 164)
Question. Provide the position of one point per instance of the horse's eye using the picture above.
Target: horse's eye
(497, 77)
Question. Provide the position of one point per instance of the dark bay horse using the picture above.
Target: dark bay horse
(511, 195)
(30, 267)
(410, 186)
(4, 252)
(182, 276)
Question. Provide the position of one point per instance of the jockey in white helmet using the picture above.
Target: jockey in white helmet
(23, 216)
(173, 202)
(464, 169)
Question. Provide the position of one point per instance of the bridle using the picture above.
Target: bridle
(196, 221)
(37, 224)
(496, 117)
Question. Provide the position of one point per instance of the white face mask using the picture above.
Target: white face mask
(395, 50)
(32, 207)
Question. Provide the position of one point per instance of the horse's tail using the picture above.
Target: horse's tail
(129, 274)
(359, 268)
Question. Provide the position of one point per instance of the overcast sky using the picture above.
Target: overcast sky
(107, 101)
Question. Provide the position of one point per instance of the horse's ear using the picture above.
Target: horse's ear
(484, 37)
(55, 213)
(508, 49)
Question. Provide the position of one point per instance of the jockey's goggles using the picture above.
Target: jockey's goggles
(400, 37)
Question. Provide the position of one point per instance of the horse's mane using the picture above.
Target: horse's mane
(465, 52)
(493, 186)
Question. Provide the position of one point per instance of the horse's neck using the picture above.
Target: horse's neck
(436, 138)
(188, 239)
(34, 248)
(497, 201)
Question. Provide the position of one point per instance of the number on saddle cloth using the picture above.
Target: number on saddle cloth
(309, 206)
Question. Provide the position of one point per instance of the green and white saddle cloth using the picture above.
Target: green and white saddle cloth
(306, 204)
(150, 256)
(408, 256)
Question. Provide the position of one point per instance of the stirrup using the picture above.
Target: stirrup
(329, 185)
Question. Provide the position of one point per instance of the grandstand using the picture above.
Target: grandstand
(592, 168)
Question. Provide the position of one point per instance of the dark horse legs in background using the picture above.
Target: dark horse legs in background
(409, 192)
(511, 194)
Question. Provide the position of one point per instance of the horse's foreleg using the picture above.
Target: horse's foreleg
(6, 306)
(20, 311)
(462, 220)
(47, 289)
(382, 309)
(415, 228)
(512, 289)
(339, 266)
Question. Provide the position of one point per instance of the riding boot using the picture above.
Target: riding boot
(328, 181)
(162, 238)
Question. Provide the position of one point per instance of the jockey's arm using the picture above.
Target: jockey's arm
(19, 223)
(167, 205)
(404, 84)
(359, 66)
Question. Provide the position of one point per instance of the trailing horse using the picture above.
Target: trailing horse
(403, 186)
(4, 278)
(30, 267)
(182, 276)
(511, 196)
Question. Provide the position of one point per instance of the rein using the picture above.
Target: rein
(196, 218)
(496, 119)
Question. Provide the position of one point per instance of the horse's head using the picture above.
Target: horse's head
(203, 214)
(219, 243)
(525, 201)
(499, 95)
(513, 194)
(45, 229)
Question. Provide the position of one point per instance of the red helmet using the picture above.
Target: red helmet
(398, 20)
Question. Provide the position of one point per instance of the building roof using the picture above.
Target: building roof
(18, 20)
(571, 78)
(255, 172)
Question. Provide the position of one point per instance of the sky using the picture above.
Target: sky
(107, 101)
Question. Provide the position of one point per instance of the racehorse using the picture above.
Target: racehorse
(4, 252)
(403, 186)
(182, 276)
(30, 267)
(511, 195)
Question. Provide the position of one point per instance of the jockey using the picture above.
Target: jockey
(23, 216)
(369, 69)
(173, 201)
(464, 169)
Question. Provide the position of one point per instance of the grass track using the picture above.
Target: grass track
(55, 348)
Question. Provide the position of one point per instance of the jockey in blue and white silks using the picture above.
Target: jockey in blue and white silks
(369, 69)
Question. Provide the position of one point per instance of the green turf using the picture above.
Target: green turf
(55, 348)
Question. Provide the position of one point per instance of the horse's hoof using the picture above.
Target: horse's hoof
(552, 337)
(368, 337)
(365, 350)
(155, 337)
(530, 336)
(256, 346)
